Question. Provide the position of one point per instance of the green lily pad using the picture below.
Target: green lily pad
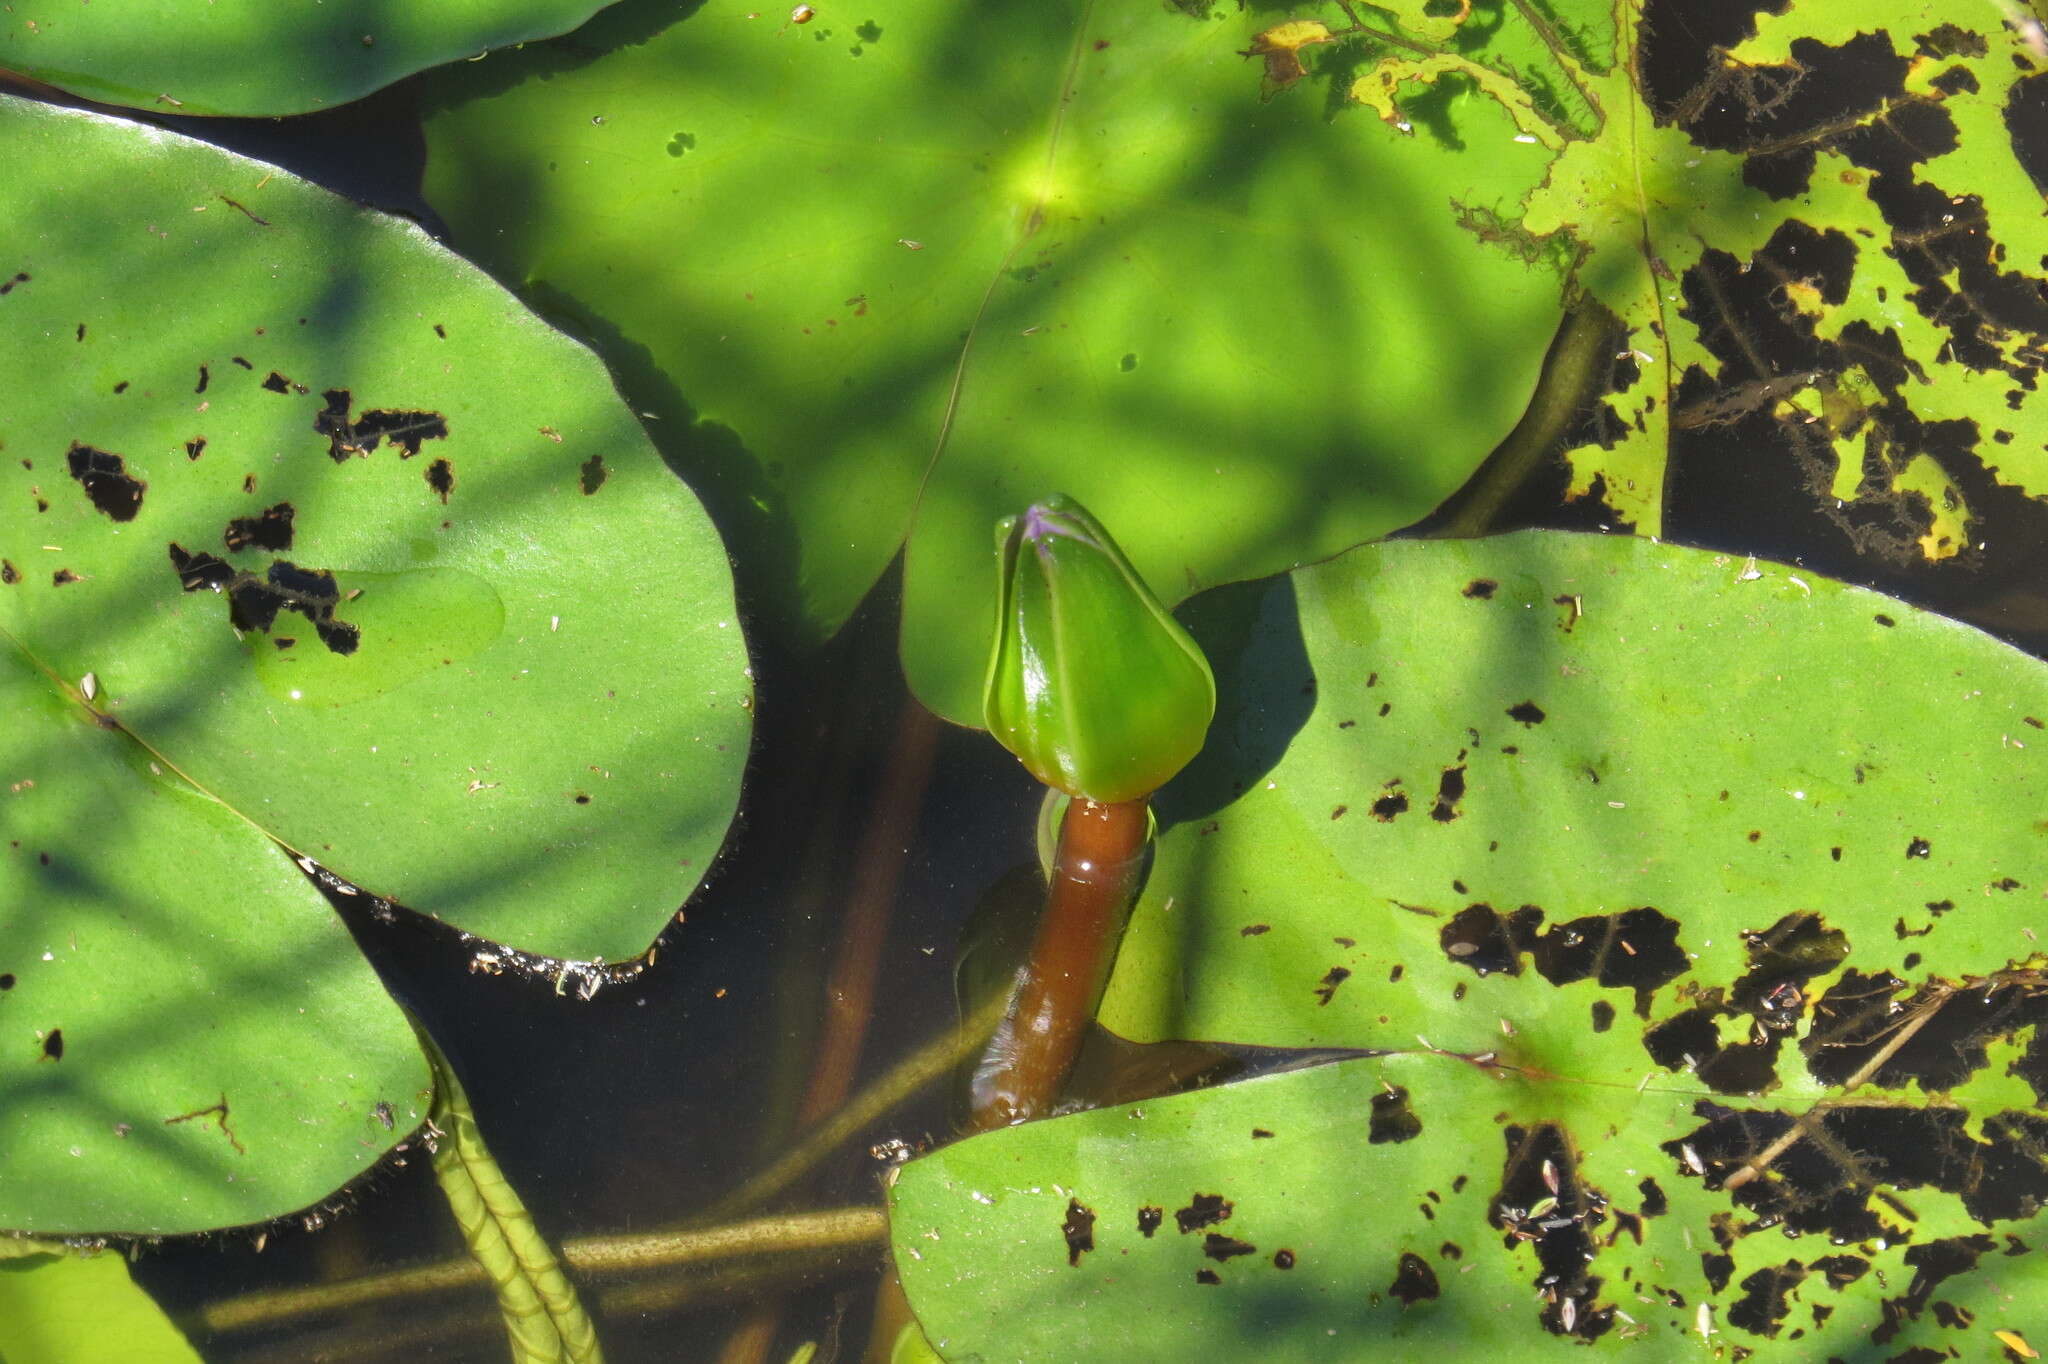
(897, 271)
(246, 57)
(60, 1308)
(308, 533)
(1703, 882)
(1825, 235)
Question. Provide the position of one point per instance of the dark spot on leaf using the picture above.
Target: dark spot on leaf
(1756, 835)
(1395, 973)
(283, 641)
(1957, 80)
(1414, 1280)
(2032, 721)
(1283, 1258)
(1919, 847)
(593, 474)
(1480, 938)
(1886, 621)
(1481, 589)
(200, 570)
(7, 286)
(1339, 812)
(1766, 1298)
(6, 980)
(62, 576)
(1835, 854)
(407, 430)
(9, 574)
(121, 387)
(582, 798)
(1203, 1210)
(1334, 977)
(441, 478)
(53, 1045)
(1528, 712)
(1393, 1118)
(1078, 1230)
(439, 330)
(1386, 807)
(1149, 1219)
(1208, 1276)
(1947, 40)
(1219, 1247)
(1603, 1015)
(1718, 1269)
(1450, 789)
(1385, 708)
(195, 447)
(1254, 930)
(272, 530)
(1260, 1134)
(277, 383)
(106, 481)
(1841, 1270)
(240, 361)
(248, 483)
(254, 602)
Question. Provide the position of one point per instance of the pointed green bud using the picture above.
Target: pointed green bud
(1093, 685)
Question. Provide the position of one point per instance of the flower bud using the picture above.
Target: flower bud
(1092, 684)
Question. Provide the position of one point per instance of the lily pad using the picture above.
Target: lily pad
(1689, 898)
(1821, 230)
(247, 57)
(891, 273)
(308, 533)
(57, 1307)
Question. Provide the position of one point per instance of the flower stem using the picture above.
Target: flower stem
(1095, 877)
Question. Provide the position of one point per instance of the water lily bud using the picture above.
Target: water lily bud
(1095, 688)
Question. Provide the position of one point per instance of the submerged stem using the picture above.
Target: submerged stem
(1095, 877)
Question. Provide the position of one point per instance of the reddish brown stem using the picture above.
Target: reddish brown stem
(1095, 876)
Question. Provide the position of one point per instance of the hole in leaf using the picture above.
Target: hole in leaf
(1393, 1118)
(272, 530)
(106, 480)
(1078, 1231)
(1414, 1280)
(1203, 1210)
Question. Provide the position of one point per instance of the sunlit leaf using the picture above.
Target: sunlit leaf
(308, 532)
(1702, 881)
(60, 1307)
(1821, 231)
(901, 270)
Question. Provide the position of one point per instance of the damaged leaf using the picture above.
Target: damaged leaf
(496, 699)
(1819, 229)
(1711, 997)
